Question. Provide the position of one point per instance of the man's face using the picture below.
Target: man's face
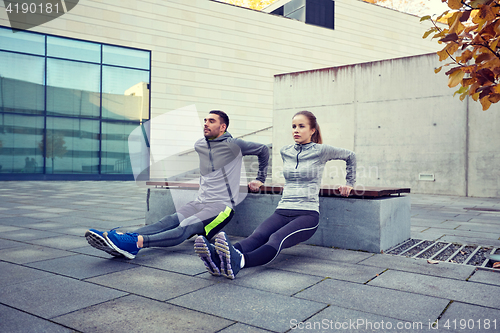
(213, 127)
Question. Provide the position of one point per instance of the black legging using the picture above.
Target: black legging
(285, 228)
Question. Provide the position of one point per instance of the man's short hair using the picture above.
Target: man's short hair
(223, 117)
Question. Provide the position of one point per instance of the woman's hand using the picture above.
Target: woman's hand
(254, 185)
(345, 190)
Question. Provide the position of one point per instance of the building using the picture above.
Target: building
(74, 88)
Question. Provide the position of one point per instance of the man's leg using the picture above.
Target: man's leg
(207, 222)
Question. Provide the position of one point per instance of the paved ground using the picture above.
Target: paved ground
(52, 281)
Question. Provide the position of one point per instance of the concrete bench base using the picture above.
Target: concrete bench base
(371, 225)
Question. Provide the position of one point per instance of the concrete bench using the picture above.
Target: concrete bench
(372, 219)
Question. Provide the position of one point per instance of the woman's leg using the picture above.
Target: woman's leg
(301, 227)
(261, 234)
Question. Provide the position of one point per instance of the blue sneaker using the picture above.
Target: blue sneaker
(229, 256)
(125, 244)
(97, 240)
(207, 254)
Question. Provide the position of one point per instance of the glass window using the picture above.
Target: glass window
(115, 155)
(125, 94)
(72, 145)
(73, 49)
(21, 147)
(119, 56)
(21, 83)
(21, 41)
(73, 88)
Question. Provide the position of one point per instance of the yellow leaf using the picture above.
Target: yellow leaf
(475, 96)
(485, 102)
(494, 98)
(424, 18)
(455, 78)
(437, 70)
(454, 4)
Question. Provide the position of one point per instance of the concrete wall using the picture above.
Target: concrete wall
(219, 56)
(401, 119)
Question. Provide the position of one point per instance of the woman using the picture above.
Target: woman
(297, 216)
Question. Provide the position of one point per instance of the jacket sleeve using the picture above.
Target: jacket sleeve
(333, 153)
(261, 151)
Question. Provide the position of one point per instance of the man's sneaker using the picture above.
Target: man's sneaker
(97, 240)
(229, 256)
(125, 244)
(207, 254)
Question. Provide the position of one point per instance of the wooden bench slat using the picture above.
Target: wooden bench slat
(325, 190)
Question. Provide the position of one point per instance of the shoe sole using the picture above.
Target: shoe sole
(122, 252)
(201, 249)
(222, 248)
(100, 243)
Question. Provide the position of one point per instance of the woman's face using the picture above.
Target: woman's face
(301, 130)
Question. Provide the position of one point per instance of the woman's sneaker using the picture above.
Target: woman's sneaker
(126, 244)
(229, 256)
(97, 240)
(207, 254)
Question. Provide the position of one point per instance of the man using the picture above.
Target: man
(220, 166)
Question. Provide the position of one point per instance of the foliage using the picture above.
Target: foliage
(471, 39)
(406, 6)
(254, 4)
(55, 146)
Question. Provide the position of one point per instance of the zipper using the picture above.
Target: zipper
(298, 157)
(210, 155)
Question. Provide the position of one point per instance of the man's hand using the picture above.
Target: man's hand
(345, 190)
(254, 185)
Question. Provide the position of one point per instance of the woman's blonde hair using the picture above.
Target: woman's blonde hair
(316, 137)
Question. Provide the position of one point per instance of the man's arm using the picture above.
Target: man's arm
(262, 152)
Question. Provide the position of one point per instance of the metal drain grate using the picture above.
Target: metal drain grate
(449, 252)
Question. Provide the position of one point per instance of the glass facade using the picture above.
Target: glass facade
(68, 106)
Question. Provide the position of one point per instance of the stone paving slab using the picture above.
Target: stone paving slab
(470, 240)
(249, 306)
(375, 300)
(462, 317)
(174, 262)
(63, 242)
(17, 221)
(152, 283)
(81, 266)
(15, 321)
(401, 263)
(338, 319)
(13, 274)
(277, 281)
(55, 295)
(31, 253)
(450, 289)
(326, 253)
(137, 314)
(242, 328)
(488, 277)
(328, 268)
(5, 244)
(25, 234)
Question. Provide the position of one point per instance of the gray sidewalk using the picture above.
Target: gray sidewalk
(53, 281)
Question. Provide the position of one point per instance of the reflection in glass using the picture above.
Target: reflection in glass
(73, 49)
(21, 83)
(72, 145)
(19, 144)
(119, 56)
(125, 94)
(115, 155)
(73, 88)
(21, 41)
